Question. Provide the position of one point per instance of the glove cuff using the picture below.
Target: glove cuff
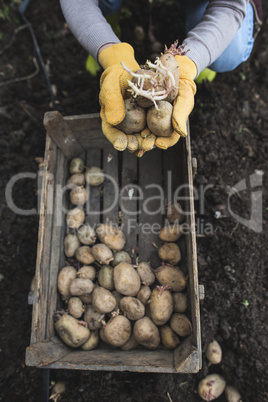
(188, 69)
(117, 53)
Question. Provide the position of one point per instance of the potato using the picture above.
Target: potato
(58, 389)
(180, 302)
(126, 279)
(121, 256)
(71, 244)
(170, 233)
(102, 253)
(103, 300)
(141, 100)
(169, 61)
(86, 235)
(75, 217)
(170, 252)
(77, 179)
(86, 299)
(159, 120)
(117, 297)
(106, 277)
(144, 294)
(180, 324)
(84, 255)
(146, 333)
(175, 213)
(78, 195)
(94, 176)
(146, 274)
(87, 272)
(132, 307)
(135, 118)
(169, 338)
(214, 352)
(211, 387)
(92, 342)
(232, 394)
(66, 276)
(111, 236)
(71, 331)
(76, 166)
(75, 307)
(80, 286)
(171, 276)
(117, 331)
(131, 344)
(161, 305)
(93, 318)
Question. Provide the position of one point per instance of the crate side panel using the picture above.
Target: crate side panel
(58, 233)
(39, 312)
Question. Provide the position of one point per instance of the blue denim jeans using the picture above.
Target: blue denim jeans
(236, 53)
(241, 46)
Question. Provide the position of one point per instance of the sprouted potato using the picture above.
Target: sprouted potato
(65, 277)
(75, 307)
(76, 166)
(121, 256)
(71, 244)
(111, 236)
(161, 305)
(84, 254)
(170, 252)
(117, 331)
(126, 279)
(171, 276)
(94, 176)
(80, 287)
(86, 235)
(87, 272)
(146, 274)
(71, 331)
(132, 307)
(146, 333)
(75, 218)
(103, 300)
(102, 253)
(78, 195)
(214, 352)
(211, 387)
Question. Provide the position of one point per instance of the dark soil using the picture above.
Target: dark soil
(229, 128)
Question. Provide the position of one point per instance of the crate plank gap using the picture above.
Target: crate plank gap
(73, 136)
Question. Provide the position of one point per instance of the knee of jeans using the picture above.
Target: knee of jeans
(109, 7)
(232, 57)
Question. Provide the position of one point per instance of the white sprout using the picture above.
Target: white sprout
(164, 76)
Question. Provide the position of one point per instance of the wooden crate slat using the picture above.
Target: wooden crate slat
(58, 233)
(38, 332)
(139, 360)
(111, 186)
(45, 352)
(87, 128)
(128, 201)
(150, 181)
(93, 206)
(62, 135)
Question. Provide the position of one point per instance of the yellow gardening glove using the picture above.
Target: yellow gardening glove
(183, 104)
(114, 86)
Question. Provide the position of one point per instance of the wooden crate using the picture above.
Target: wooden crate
(82, 136)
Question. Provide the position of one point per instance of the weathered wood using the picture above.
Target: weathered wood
(152, 205)
(44, 243)
(62, 135)
(140, 360)
(186, 357)
(45, 352)
(128, 199)
(111, 186)
(192, 250)
(87, 128)
(93, 206)
(148, 172)
(57, 234)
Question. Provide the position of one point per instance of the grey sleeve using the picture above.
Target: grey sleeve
(207, 41)
(88, 25)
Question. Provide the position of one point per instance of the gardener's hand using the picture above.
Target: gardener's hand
(183, 104)
(114, 85)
